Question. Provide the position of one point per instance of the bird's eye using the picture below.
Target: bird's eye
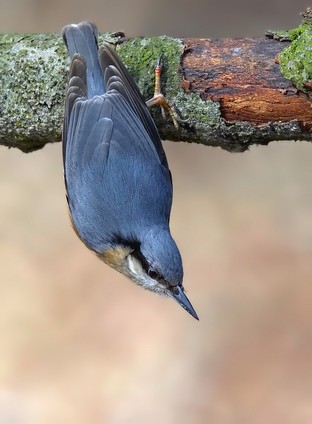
(153, 274)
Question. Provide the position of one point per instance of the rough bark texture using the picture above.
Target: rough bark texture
(230, 93)
(244, 77)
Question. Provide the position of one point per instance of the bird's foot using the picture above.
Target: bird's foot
(161, 100)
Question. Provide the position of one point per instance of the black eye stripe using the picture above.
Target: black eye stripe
(136, 253)
(145, 265)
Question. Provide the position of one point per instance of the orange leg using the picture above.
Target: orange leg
(160, 99)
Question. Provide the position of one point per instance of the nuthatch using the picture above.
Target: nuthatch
(119, 187)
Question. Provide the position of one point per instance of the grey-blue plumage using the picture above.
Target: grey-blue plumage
(118, 183)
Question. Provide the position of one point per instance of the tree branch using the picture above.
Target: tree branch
(229, 93)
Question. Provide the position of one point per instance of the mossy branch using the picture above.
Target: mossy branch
(228, 93)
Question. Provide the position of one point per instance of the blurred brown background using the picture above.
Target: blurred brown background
(81, 344)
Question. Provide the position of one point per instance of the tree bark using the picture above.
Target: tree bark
(228, 93)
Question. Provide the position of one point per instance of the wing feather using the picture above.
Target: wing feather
(114, 70)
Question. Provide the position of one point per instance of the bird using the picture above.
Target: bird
(118, 183)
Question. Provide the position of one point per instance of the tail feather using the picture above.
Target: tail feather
(81, 40)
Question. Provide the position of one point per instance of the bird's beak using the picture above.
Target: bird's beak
(179, 296)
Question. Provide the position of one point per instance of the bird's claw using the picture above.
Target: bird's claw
(161, 100)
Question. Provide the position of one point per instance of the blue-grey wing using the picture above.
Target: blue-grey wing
(115, 180)
(97, 124)
(119, 85)
(117, 78)
(116, 172)
(88, 133)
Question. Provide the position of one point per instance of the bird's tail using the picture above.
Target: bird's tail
(81, 40)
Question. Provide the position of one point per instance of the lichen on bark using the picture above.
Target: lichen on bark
(32, 89)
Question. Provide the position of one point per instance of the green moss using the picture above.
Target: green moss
(296, 59)
(141, 55)
(197, 111)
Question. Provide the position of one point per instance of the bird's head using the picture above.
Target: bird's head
(154, 262)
